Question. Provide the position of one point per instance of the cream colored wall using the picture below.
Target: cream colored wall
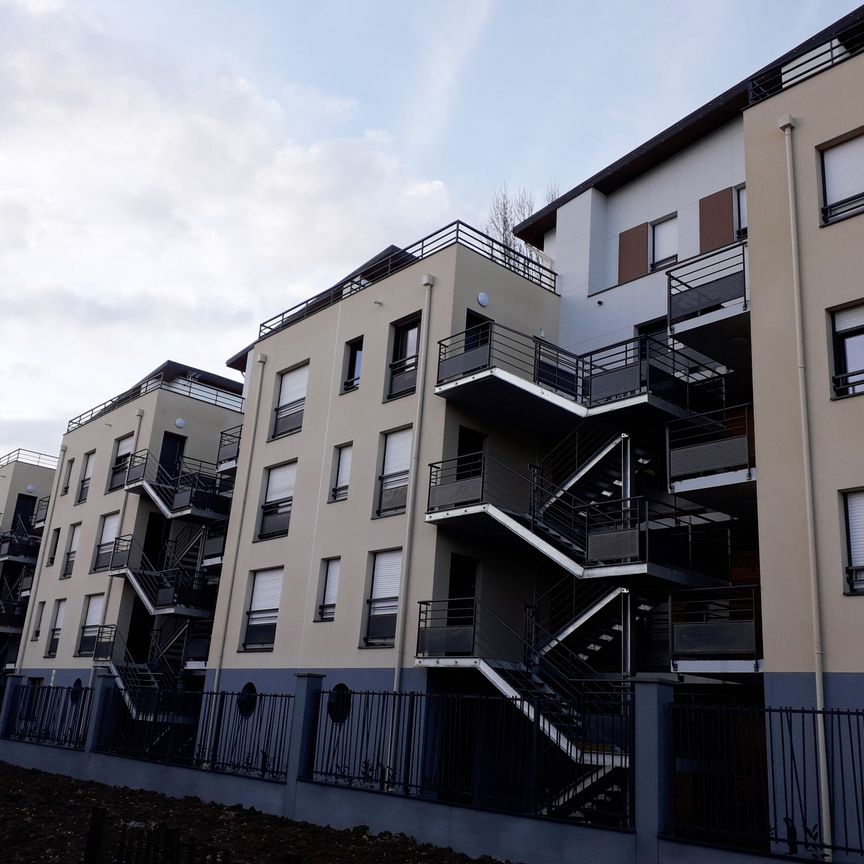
(824, 107)
(319, 529)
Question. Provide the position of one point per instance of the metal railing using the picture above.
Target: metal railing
(381, 620)
(12, 613)
(638, 366)
(712, 443)
(58, 716)
(40, 513)
(448, 748)
(260, 628)
(30, 457)
(19, 546)
(711, 623)
(402, 376)
(842, 46)
(392, 493)
(454, 233)
(197, 644)
(183, 386)
(229, 444)
(848, 383)
(707, 282)
(275, 518)
(288, 418)
(749, 778)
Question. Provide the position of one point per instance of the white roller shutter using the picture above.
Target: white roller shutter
(293, 386)
(386, 574)
(95, 604)
(331, 581)
(266, 590)
(397, 451)
(665, 239)
(844, 170)
(110, 524)
(343, 474)
(280, 482)
(124, 446)
(855, 515)
(73, 537)
(849, 319)
(60, 615)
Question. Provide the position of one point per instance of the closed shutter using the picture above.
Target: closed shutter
(331, 581)
(716, 220)
(386, 574)
(293, 386)
(280, 482)
(266, 590)
(844, 170)
(665, 235)
(849, 319)
(397, 451)
(124, 447)
(855, 516)
(110, 524)
(73, 537)
(343, 473)
(95, 604)
(60, 614)
(633, 253)
(88, 467)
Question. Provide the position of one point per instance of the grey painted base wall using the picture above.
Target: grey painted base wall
(843, 690)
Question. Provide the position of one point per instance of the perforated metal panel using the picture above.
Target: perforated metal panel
(715, 637)
(462, 364)
(722, 290)
(613, 545)
(466, 491)
(617, 382)
(729, 454)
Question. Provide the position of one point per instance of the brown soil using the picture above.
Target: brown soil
(44, 818)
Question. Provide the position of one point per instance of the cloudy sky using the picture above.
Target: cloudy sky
(172, 173)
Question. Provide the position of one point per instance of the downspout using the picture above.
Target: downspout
(427, 281)
(40, 559)
(787, 124)
(260, 360)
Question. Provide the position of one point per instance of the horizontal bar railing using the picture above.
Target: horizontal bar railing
(12, 613)
(18, 546)
(57, 716)
(454, 233)
(707, 282)
(229, 444)
(30, 457)
(848, 383)
(40, 513)
(392, 493)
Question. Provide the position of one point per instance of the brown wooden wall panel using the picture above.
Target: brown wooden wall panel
(716, 222)
(633, 253)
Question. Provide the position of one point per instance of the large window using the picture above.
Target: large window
(122, 452)
(86, 475)
(263, 610)
(342, 477)
(855, 541)
(278, 501)
(849, 351)
(56, 628)
(664, 243)
(332, 572)
(105, 546)
(92, 622)
(843, 180)
(71, 550)
(383, 599)
(403, 361)
(393, 481)
(291, 402)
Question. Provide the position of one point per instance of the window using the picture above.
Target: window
(263, 609)
(54, 635)
(343, 473)
(122, 452)
(332, 571)
(843, 180)
(105, 546)
(741, 213)
(855, 541)
(86, 474)
(292, 401)
(849, 351)
(278, 500)
(403, 361)
(664, 243)
(383, 599)
(393, 482)
(52, 547)
(71, 550)
(353, 365)
(37, 620)
(67, 476)
(95, 603)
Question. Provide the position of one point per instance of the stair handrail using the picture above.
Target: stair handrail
(158, 654)
(153, 473)
(176, 549)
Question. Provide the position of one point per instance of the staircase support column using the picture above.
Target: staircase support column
(651, 764)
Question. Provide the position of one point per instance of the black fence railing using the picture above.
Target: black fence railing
(488, 752)
(245, 733)
(707, 283)
(49, 715)
(454, 233)
(229, 444)
(750, 778)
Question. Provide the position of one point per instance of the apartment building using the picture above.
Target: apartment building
(556, 535)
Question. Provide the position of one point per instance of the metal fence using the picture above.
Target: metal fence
(245, 733)
(750, 778)
(489, 752)
(49, 715)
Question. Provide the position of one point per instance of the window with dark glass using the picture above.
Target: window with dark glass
(67, 476)
(741, 213)
(353, 364)
(56, 629)
(383, 602)
(848, 377)
(854, 502)
(122, 452)
(52, 547)
(843, 180)
(291, 402)
(278, 501)
(105, 547)
(393, 481)
(86, 475)
(403, 362)
(332, 572)
(339, 491)
(263, 612)
(71, 550)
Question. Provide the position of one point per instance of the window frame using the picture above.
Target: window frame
(291, 408)
(248, 644)
(741, 230)
(272, 509)
(850, 206)
(86, 478)
(70, 555)
(403, 365)
(100, 563)
(67, 478)
(339, 492)
(118, 466)
(840, 385)
(654, 263)
(387, 482)
(853, 571)
(388, 605)
(352, 374)
(326, 612)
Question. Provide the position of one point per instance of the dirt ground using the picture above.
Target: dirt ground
(44, 819)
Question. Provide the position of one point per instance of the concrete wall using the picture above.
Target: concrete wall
(14, 480)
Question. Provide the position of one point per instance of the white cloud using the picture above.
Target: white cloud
(151, 209)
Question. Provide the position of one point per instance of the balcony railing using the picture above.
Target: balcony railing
(260, 628)
(381, 620)
(40, 513)
(392, 493)
(12, 613)
(454, 233)
(848, 383)
(214, 541)
(30, 457)
(275, 518)
(707, 283)
(645, 364)
(403, 376)
(715, 623)
(104, 553)
(712, 443)
(183, 386)
(17, 546)
(229, 444)
(197, 645)
(288, 418)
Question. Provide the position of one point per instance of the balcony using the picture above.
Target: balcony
(20, 548)
(711, 450)
(491, 364)
(708, 288)
(12, 614)
(196, 648)
(392, 493)
(214, 544)
(229, 448)
(40, 513)
(717, 630)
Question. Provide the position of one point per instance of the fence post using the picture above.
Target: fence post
(651, 763)
(304, 725)
(7, 704)
(101, 685)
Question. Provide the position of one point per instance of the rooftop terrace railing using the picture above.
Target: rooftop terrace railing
(183, 386)
(455, 232)
(30, 457)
